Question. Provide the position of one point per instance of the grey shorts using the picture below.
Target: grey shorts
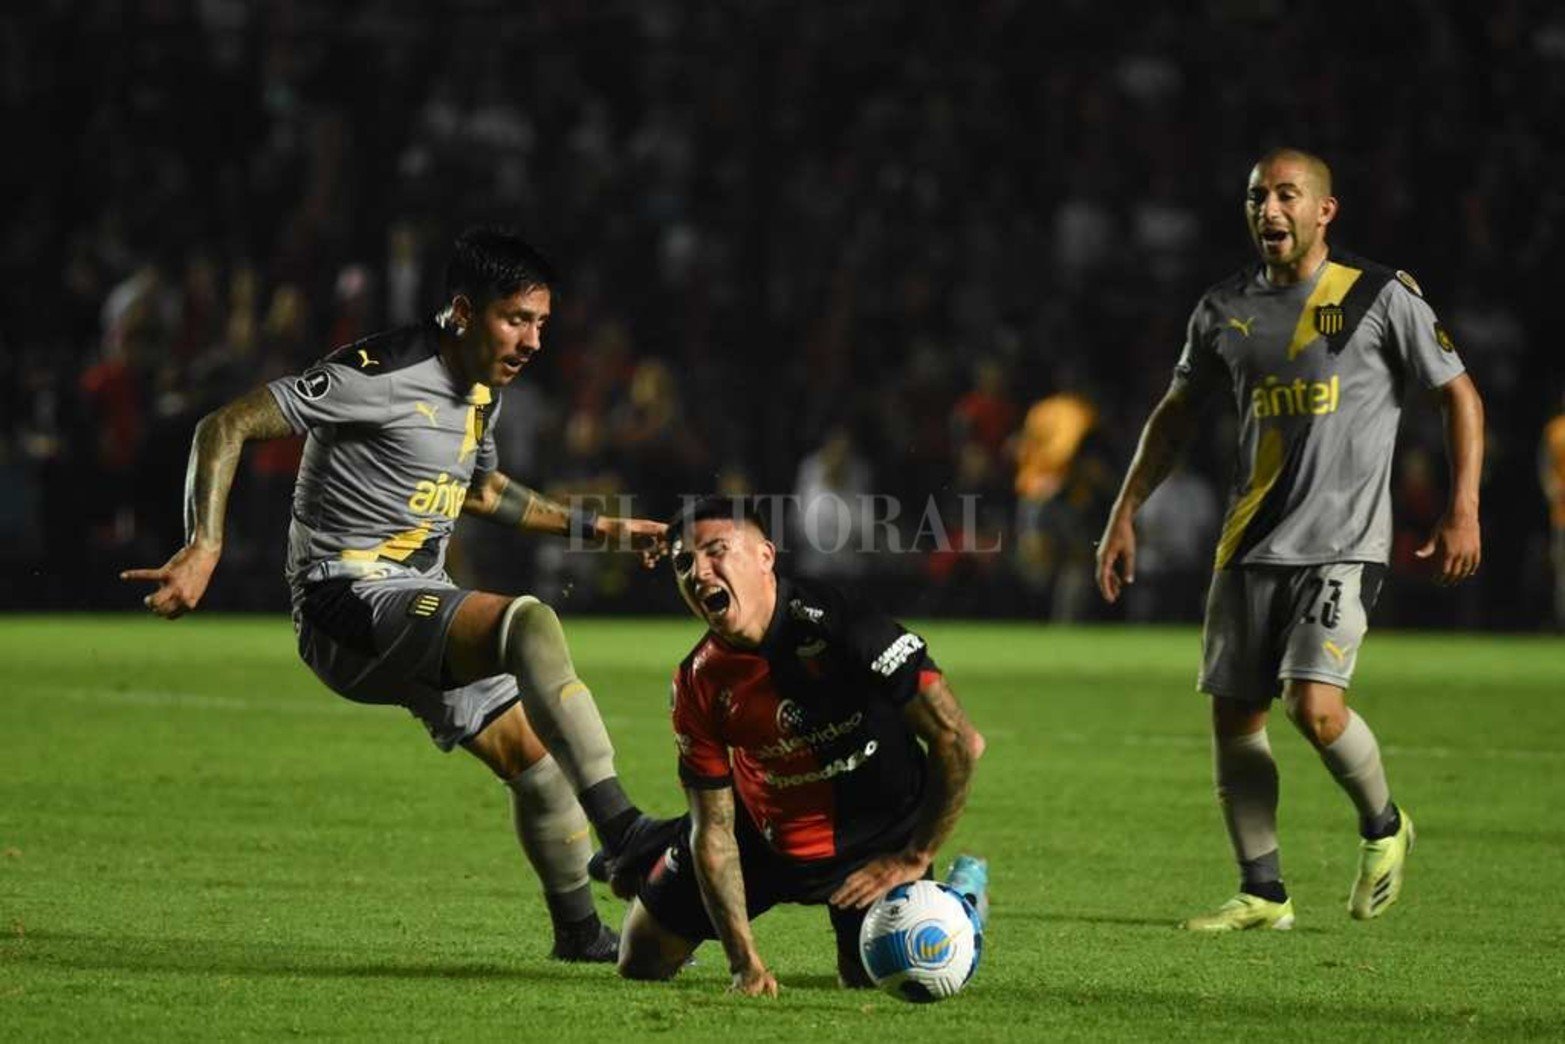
(1269, 624)
(383, 641)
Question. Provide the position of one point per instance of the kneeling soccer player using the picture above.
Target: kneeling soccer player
(850, 755)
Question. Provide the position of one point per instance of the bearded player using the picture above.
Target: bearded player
(1318, 349)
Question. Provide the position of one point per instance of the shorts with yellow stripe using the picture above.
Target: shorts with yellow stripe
(383, 641)
(1269, 624)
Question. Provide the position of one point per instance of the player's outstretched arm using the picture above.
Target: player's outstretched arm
(716, 852)
(503, 500)
(214, 457)
(1456, 543)
(954, 747)
(1164, 437)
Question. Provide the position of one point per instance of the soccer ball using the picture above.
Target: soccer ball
(921, 942)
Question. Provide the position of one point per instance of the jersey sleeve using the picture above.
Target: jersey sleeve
(330, 393)
(1200, 370)
(895, 661)
(1418, 339)
(703, 756)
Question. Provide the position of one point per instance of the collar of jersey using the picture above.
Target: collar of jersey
(478, 394)
(773, 637)
(1261, 284)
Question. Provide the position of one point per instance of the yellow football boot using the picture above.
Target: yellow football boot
(1243, 912)
(1380, 871)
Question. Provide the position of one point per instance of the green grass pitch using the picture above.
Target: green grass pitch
(199, 841)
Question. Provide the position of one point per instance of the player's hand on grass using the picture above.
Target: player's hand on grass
(1116, 559)
(182, 580)
(636, 534)
(877, 877)
(754, 981)
(1457, 548)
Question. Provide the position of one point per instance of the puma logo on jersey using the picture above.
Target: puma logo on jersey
(428, 411)
(365, 362)
(1242, 325)
(1337, 652)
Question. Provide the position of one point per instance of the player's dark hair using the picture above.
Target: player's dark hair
(489, 262)
(702, 509)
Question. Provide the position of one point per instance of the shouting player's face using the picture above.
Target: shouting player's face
(724, 571)
(1288, 209)
(497, 342)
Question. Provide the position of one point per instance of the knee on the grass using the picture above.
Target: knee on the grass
(647, 951)
(645, 963)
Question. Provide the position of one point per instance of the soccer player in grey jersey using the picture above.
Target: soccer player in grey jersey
(1318, 349)
(400, 442)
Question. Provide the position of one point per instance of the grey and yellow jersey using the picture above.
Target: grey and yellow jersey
(1318, 371)
(393, 444)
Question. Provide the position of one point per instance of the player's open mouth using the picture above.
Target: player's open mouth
(716, 602)
(1274, 236)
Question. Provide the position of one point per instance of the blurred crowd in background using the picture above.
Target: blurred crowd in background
(936, 257)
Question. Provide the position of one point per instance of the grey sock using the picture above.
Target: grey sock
(1354, 762)
(558, 705)
(554, 834)
(1246, 779)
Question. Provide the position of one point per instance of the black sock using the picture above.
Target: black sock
(1388, 822)
(609, 810)
(572, 911)
(613, 832)
(1271, 891)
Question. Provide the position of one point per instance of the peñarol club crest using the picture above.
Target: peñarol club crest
(1328, 319)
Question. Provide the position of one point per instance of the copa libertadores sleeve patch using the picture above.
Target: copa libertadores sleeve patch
(313, 384)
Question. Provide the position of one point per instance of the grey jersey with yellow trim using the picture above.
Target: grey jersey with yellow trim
(393, 444)
(1319, 371)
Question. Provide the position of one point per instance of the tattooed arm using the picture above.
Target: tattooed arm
(716, 852)
(954, 747)
(501, 499)
(1162, 440)
(214, 457)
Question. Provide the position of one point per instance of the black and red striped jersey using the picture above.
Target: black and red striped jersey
(808, 727)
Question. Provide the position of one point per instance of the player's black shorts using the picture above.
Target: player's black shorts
(673, 897)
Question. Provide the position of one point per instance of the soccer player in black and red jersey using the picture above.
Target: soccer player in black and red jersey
(850, 757)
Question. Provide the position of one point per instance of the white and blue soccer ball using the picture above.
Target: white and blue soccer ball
(921, 942)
